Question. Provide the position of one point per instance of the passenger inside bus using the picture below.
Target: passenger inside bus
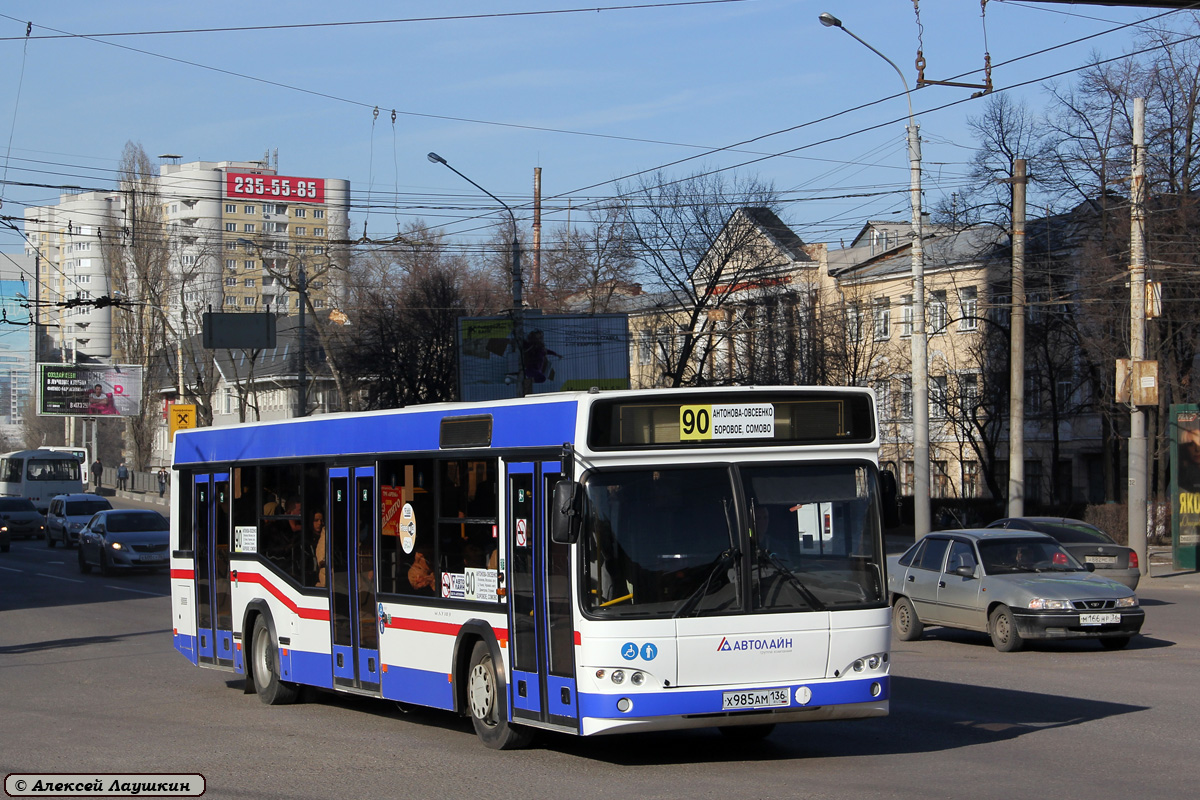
(317, 533)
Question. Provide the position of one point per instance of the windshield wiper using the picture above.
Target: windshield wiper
(783, 569)
(722, 562)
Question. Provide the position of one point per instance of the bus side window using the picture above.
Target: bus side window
(405, 553)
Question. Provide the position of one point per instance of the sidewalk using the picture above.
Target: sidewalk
(1161, 572)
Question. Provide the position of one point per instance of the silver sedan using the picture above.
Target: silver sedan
(124, 538)
(1013, 585)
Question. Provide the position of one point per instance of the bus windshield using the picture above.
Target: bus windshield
(669, 542)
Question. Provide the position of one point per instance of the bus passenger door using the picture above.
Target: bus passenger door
(214, 603)
(351, 536)
(543, 633)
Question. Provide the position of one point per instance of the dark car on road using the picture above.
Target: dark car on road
(1012, 585)
(1086, 542)
(67, 515)
(124, 539)
(19, 517)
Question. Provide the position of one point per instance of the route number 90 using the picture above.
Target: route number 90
(695, 422)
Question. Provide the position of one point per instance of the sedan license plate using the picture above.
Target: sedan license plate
(757, 698)
(1106, 560)
(1099, 619)
(154, 557)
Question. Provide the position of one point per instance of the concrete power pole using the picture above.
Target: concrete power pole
(1016, 391)
(1137, 335)
(535, 273)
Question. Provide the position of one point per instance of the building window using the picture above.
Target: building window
(939, 479)
(301, 230)
(854, 322)
(906, 398)
(230, 208)
(231, 245)
(906, 315)
(248, 227)
(231, 263)
(231, 301)
(301, 249)
(249, 301)
(968, 391)
(1033, 392)
(231, 227)
(318, 213)
(968, 303)
(249, 209)
(937, 395)
(883, 318)
(318, 250)
(1033, 481)
(970, 479)
(299, 213)
(999, 307)
(937, 312)
(883, 399)
(249, 283)
(318, 303)
(906, 478)
(249, 264)
(231, 281)
(318, 231)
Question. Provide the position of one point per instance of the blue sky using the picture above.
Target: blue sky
(589, 97)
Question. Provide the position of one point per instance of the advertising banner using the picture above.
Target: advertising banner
(89, 391)
(561, 353)
(1185, 484)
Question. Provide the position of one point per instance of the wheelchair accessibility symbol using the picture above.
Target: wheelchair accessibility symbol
(630, 651)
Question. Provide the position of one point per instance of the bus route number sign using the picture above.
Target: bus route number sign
(699, 423)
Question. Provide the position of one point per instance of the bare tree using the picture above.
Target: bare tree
(693, 247)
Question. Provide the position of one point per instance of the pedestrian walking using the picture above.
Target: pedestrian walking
(122, 477)
(162, 481)
(97, 473)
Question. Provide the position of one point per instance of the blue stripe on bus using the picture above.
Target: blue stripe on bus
(527, 425)
(187, 645)
(417, 686)
(676, 702)
(313, 669)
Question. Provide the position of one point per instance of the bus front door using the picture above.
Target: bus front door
(355, 619)
(542, 688)
(214, 603)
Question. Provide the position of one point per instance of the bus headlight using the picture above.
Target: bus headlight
(637, 678)
(618, 676)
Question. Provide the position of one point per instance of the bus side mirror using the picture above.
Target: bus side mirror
(566, 512)
(888, 499)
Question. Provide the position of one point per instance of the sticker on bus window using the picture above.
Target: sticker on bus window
(481, 584)
(245, 539)
(701, 423)
(408, 529)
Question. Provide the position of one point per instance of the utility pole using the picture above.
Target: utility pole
(1137, 336)
(535, 273)
(1016, 380)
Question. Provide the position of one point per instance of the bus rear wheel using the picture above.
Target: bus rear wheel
(264, 668)
(483, 699)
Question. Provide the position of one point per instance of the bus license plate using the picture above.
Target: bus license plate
(1099, 619)
(758, 698)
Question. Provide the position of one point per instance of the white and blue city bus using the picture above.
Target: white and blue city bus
(589, 563)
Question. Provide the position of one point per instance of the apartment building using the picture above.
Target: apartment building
(235, 235)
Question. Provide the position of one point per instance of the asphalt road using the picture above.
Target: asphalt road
(89, 682)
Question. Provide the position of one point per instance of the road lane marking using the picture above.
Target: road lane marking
(139, 591)
(57, 577)
(10, 569)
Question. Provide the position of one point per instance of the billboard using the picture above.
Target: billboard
(243, 186)
(1185, 484)
(562, 353)
(89, 390)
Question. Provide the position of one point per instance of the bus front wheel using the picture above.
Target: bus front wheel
(264, 668)
(487, 713)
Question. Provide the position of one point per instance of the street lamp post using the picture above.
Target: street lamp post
(518, 309)
(919, 344)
